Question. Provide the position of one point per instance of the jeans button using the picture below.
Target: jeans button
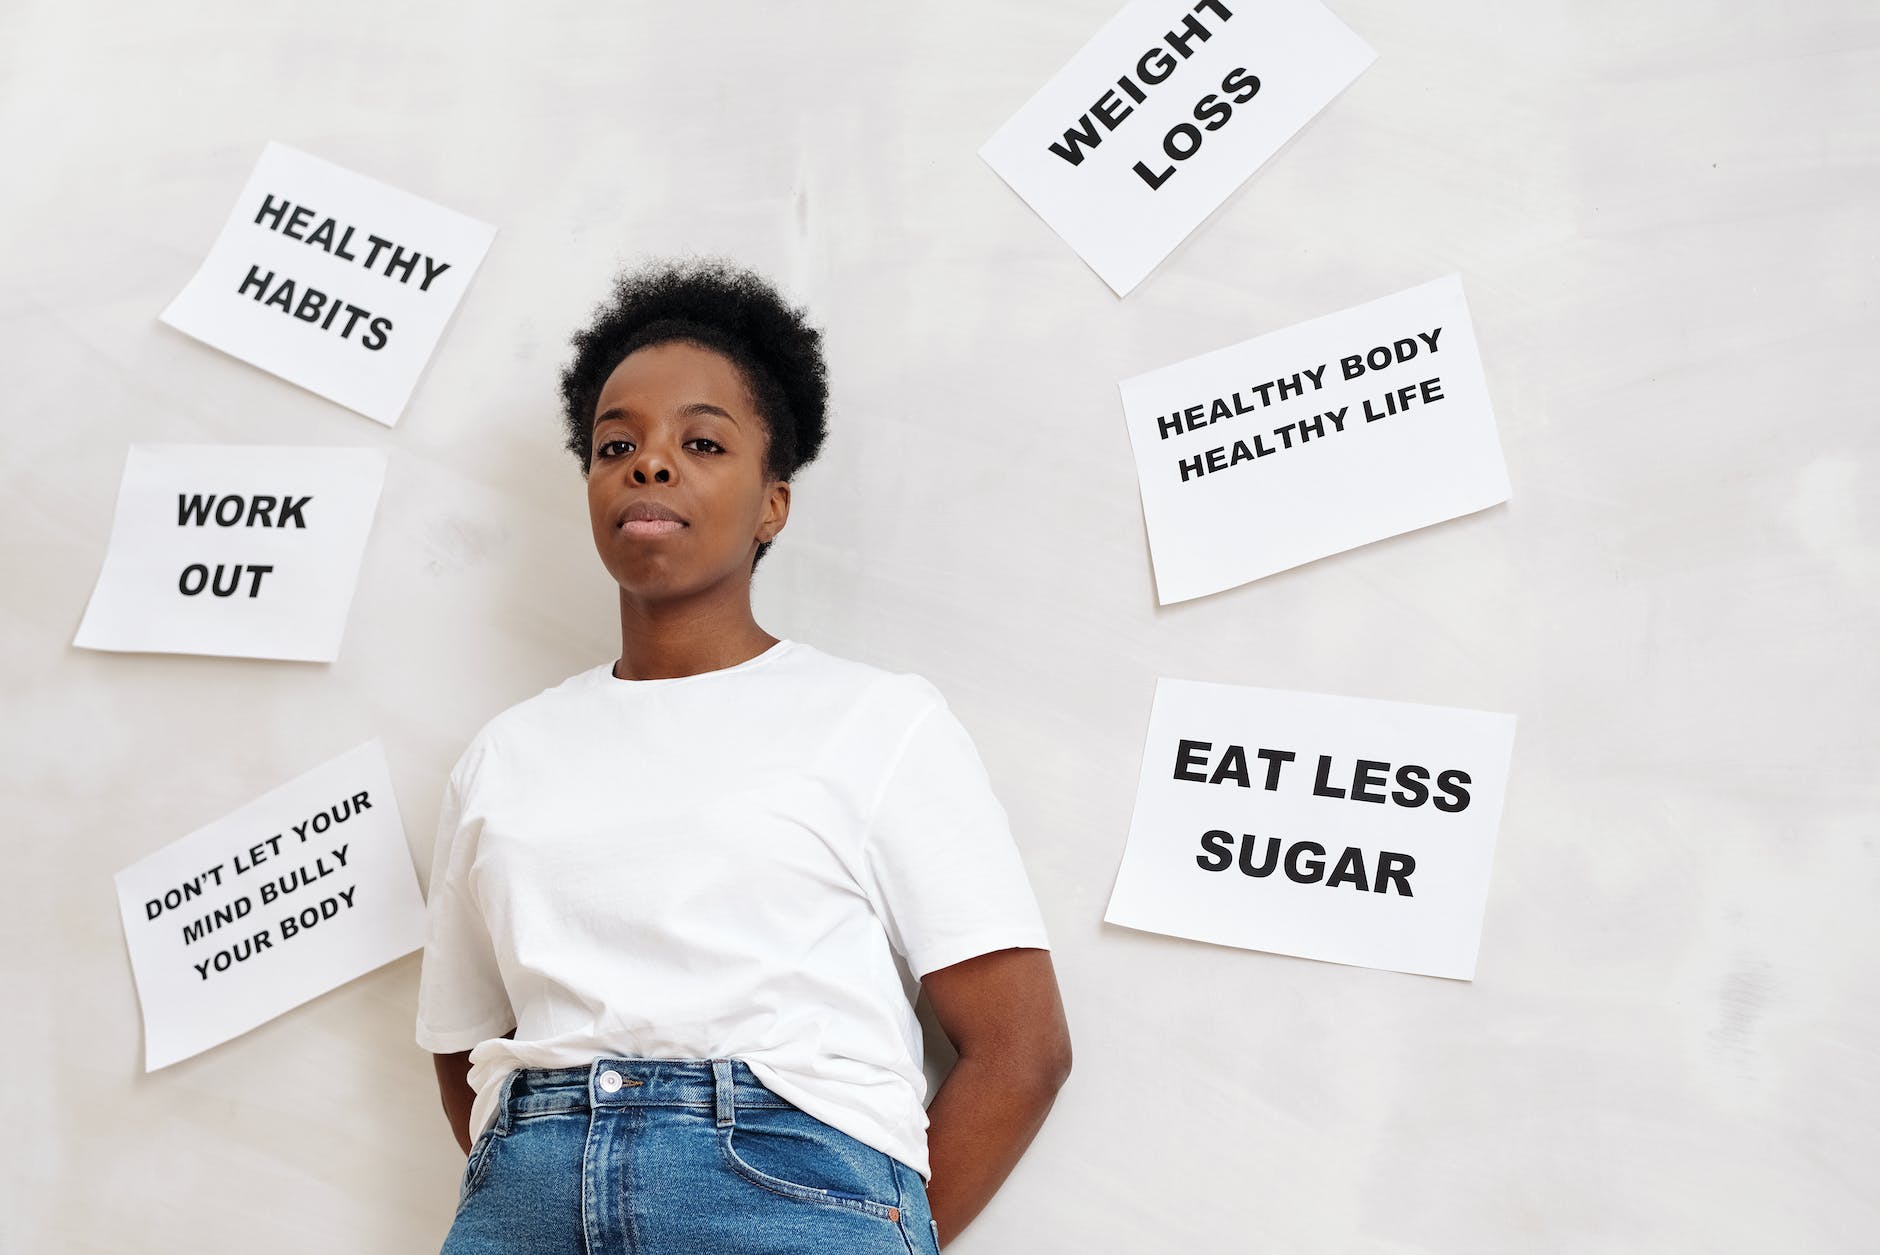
(610, 1080)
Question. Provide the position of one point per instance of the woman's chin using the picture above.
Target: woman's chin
(652, 579)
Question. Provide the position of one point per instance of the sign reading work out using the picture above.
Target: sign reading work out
(333, 281)
(1168, 109)
(249, 551)
(1312, 440)
(296, 893)
(1333, 828)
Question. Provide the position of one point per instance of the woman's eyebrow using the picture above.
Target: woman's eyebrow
(706, 407)
(691, 410)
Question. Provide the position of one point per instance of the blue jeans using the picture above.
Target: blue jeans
(672, 1157)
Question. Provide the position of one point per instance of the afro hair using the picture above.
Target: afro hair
(716, 305)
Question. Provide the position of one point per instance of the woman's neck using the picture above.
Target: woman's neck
(664, 646)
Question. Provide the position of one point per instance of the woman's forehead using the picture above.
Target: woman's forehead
(675, 376)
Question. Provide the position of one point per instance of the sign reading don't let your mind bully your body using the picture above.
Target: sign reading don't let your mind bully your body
(294, 893)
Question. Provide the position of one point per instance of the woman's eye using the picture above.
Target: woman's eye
(601, 450)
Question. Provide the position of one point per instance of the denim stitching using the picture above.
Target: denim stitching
(792, 1190)
(497, 1130)
(900, 1202)
(473, 1172)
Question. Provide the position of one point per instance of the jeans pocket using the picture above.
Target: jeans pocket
(792, 1154)
(473, 1168)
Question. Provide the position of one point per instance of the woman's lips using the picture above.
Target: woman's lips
(651, 527)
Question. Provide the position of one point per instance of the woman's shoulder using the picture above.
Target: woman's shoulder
(881, 686)
(524, 720)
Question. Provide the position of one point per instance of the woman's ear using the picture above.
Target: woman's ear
(776, 510)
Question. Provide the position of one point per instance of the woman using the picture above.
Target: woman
(669, 893)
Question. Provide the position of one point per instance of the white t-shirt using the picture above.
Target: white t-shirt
(720, 865)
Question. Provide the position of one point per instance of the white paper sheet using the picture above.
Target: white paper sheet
(1123, 167)
(1264, 455)
(332, 280)
(295, 893)
(250, 551)
(1369, 850)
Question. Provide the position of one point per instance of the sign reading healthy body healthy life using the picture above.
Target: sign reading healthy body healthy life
(333, 281)
(296, 893)
(1168, 109)
(1332, 828)
(249, 551)
(1312, 440)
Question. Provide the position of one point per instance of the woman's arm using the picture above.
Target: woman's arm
(453, 1086)
(1003, 1014)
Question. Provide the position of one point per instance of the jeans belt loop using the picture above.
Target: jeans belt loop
(724, 1090)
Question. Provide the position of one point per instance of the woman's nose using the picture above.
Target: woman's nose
(652, 465)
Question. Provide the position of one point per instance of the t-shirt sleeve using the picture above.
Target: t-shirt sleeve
(945, 874)
(461, 996)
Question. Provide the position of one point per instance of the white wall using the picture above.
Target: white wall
(1665, 219)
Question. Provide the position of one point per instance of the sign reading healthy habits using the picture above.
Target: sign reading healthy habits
(1332, 828)
(243, 550)
(1168, 109)
(296, 893)
(333, 281)
(1313, 440)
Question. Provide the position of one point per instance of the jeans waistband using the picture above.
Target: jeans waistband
(723, 1085)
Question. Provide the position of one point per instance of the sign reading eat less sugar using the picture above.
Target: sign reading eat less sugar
(1334, 828)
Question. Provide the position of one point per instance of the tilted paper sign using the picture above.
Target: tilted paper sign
(1312, 440)
(1168, 109)
(298, 892)
(332, 280)
(1333, 828)
(249, 551)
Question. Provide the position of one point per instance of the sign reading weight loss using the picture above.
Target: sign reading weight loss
(333, 281)
(296, 893)
(1312, 440)
(1333, 828)
(1168, 109)
(243, 550)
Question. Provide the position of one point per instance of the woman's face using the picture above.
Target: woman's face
(676, 432)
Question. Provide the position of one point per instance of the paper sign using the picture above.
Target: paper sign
(243, 550)
(1166, 111)
(333, 281)
(1331, 828)
(296, 893)
(1313, 440)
